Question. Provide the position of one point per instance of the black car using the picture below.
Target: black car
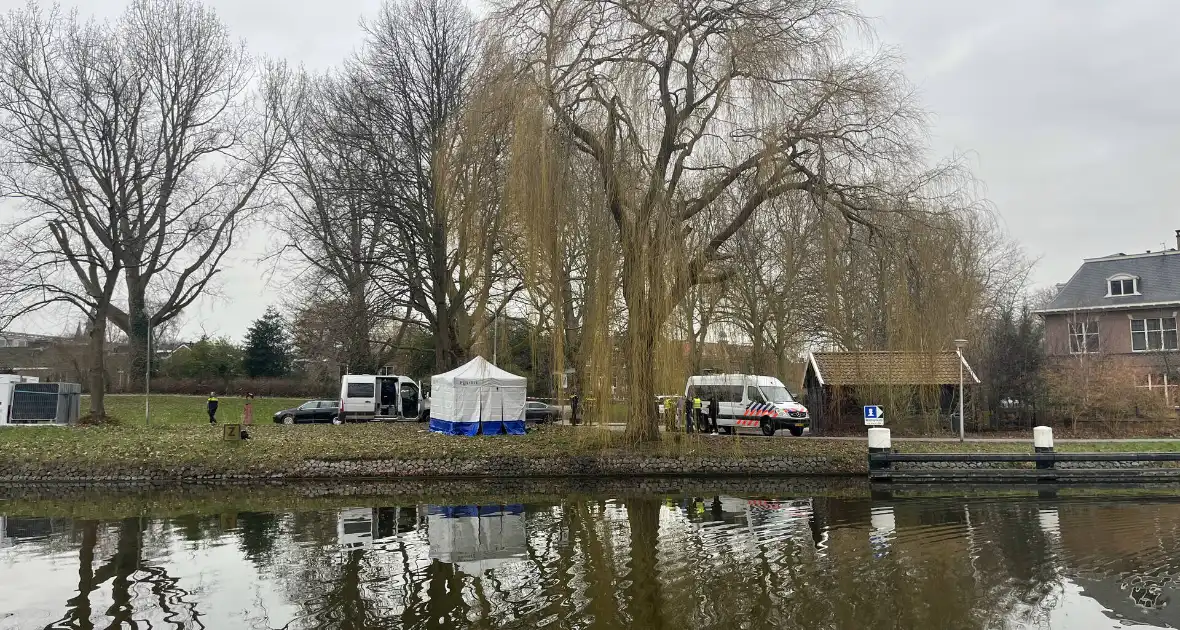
(310, 411)
(537, 411)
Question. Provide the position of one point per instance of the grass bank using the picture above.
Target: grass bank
(179, 436)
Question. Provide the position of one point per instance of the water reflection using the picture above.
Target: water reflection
(646, 561)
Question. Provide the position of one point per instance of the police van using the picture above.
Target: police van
(749, 401)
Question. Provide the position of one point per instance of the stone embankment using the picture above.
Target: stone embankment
(426, 468)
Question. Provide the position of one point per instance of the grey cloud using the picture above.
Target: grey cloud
(1068, 109)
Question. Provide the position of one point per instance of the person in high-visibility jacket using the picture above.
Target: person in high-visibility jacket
(212, 406)
(669, 413)
(696, 412)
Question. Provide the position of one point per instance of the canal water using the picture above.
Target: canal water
(673, 557)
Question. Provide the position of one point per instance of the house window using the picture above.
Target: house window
(1150, 335)
(1122, 285)
(1083, 337)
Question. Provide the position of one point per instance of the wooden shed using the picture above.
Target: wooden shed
(837, 385)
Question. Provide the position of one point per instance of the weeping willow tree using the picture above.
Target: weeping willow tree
(918, 283)
(922, 282)
(694, 117)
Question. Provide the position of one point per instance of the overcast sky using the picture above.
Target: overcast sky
(1067, 109)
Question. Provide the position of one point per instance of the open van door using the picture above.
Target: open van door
(409, 394)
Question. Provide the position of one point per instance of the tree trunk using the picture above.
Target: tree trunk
(97, 370)
(642, 423)
(440, 280)
(138, 329)
(360, 351)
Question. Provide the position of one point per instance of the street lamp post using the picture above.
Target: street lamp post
(959, 343)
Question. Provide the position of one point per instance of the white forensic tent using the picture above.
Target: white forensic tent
(475, 398)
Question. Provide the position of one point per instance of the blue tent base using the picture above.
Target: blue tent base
(491, 427)
(456, 511)
(454, 428)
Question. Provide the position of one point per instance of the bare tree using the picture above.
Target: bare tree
(434, 123)
(142, 144)
(773, 294)
(677, 103)
(340, 240)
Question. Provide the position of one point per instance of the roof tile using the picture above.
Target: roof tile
(1159, 281)
(891, 368)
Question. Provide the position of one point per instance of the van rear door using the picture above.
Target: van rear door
(358, 396)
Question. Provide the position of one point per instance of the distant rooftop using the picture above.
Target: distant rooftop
(1156, 275)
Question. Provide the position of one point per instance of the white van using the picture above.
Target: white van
(745, 400)
(367, 397)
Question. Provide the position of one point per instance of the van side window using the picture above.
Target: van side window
(732, 393)
(360, 390)
(755, 394)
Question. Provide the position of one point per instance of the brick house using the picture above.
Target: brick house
(1123, 306)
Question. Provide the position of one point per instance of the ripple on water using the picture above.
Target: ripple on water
(602, 562)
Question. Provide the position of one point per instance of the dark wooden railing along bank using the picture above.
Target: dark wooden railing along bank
(882, 458)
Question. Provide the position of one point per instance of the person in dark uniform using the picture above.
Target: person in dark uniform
(212, 405)
(714, 412)
(574, 409)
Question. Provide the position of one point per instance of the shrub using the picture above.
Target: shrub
(268, 387)
(1100, 389)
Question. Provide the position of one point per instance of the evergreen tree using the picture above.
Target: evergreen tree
(268, 348)
(1011, 363)
(205, 359)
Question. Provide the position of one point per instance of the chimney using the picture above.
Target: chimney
(1177, 239)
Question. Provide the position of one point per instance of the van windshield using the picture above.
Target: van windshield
(776, 393)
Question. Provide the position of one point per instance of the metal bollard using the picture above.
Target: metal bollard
(879, 442)
(1043, 443)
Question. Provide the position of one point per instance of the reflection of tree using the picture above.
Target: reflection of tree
(344, 604)
(642, 595)
(443, 606)
(1020, 552)
(78, 607)
(172, 600)
(123, 566)
(599, 561)
(196, 528)
(259, 531)
(121, 569)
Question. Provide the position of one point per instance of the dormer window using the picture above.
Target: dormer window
(1122, 284)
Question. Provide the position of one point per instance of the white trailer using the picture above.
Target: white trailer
(25, 401)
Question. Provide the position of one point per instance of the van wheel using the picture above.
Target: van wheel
(797, 431)
(288, 419)
(767, 428)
